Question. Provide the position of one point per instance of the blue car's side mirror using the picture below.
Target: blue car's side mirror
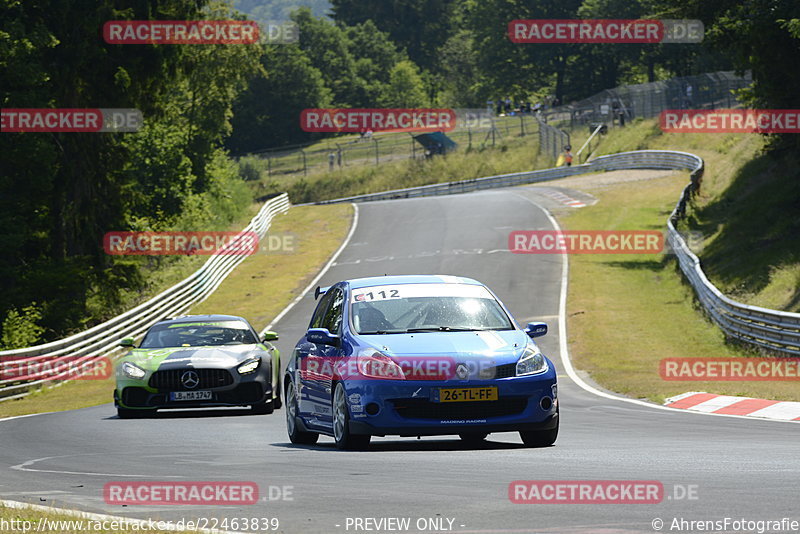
(536, 329)
(321, 336)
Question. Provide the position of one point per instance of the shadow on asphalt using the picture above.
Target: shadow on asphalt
(192, 414)
(412, 445)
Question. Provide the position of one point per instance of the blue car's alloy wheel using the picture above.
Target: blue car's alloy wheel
(341, 423)
(295, 434)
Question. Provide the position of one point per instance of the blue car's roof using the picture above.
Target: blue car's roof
(358, 283)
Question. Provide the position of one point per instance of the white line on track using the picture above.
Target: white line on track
(26, 466)
(21, 416)
(320, 274)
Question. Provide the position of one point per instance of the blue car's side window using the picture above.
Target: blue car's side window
(319, 314)
(333, 317)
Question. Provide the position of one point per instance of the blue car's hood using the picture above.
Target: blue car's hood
(500, 345)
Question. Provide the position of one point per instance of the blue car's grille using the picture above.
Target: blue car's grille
(425, 409)
(170, 380)
(505, 371)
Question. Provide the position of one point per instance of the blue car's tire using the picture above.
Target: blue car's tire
(296, 435)
(341, 423)
(540, 438)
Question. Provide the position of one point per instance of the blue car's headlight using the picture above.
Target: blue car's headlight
(249, 366)
(531, 362)
(132, 371)
(374, 364)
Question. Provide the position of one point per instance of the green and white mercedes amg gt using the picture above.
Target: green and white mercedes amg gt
(198, 361)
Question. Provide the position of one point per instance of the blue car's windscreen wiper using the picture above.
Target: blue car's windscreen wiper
(372, 332)
(445, 329)
(429, 329)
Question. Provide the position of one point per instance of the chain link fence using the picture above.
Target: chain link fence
(551, 140)
(345, 152)
(612, 107)
(646, 100)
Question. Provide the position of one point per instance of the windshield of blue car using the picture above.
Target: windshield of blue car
(411, 308)
(198, 334)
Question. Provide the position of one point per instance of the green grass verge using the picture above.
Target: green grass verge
(258, 289)
(636, 294)
(266, 282)
(748, 211)
(511, 153)
(627, 312)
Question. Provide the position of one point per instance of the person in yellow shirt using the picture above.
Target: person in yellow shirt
(568, 155)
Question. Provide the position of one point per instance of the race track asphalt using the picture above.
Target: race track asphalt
(736, 468)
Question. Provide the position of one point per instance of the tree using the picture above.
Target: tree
(762, 36)
(406, 88)
(268, 112)
(458, 60)
(375, 56)
(419, 27)
(60, 192)
(513, 68)
(326, 45)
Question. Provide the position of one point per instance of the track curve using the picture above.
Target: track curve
(741, 468)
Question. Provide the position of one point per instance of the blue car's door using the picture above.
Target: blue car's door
(317, 362)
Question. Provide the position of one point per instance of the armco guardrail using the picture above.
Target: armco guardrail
(771, 330)
(641, 159)
(87, 349)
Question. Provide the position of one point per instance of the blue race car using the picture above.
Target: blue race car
(415, 356)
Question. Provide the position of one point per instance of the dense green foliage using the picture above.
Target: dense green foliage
(456, 53)
(60, 192)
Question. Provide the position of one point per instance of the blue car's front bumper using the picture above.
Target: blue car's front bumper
(410, 408)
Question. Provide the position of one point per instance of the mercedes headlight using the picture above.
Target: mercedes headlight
(531, 362)
(132, 371)
(249, 366)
